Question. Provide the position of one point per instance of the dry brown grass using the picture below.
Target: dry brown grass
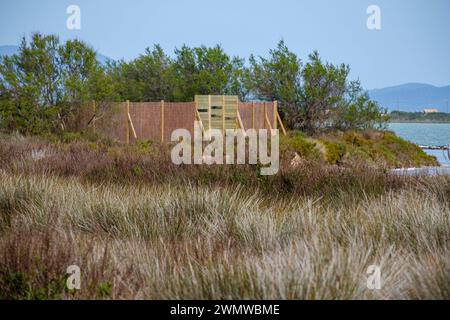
(189, 241)
(140, 227)
(150, 164)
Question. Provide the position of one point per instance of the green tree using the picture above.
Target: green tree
(323, 91)
(147, 78)
(278, 78)
(43, 87)
(358, 111)
(44, 84)
(240, 81)
(204, 70)
(312, 97)
(81, 76)
(33, 84)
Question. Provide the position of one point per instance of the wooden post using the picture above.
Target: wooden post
(132, 126)
(265, 112)
(199, 119)
(253, 115)
(94, 109)
(127, 124)
(281, 124)
(209, 112)
(266, 118)
(162, 121)
(240, 123)
(275, 111)
(223, 115)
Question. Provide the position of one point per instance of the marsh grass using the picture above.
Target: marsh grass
(136, 165)
(140, 227)
(187, 241)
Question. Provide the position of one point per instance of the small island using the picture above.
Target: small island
(419, 117)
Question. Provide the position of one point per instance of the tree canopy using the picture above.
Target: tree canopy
(43, 86)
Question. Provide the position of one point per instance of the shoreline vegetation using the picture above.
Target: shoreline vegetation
(418, 117)
(141, 227)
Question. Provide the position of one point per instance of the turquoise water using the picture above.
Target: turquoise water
(435, 134)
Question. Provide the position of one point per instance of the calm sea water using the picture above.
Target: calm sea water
(435, 134)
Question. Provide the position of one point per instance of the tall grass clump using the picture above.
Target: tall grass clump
(188, 241)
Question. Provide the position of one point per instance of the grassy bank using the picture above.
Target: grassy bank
(380, 149)
(140, 227)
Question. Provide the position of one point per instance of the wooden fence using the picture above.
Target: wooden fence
(130, 121)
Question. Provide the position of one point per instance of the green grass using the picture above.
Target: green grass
(376, 148)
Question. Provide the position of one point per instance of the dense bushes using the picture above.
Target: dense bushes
(374, 148)
(315, 173)
(386, 149)
(44, 86)
(335, 151)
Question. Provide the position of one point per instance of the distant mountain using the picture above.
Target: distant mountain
(412, 97)
(10, 50)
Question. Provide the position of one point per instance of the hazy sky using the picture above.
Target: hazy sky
(413, 44)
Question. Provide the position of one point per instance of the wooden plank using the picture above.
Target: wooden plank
(209, 112)
(162, 121)
(267, 121)
(94, 109)
(127, 125)
(241, 125)
(223, 114)
(265, 111)
(199, 119)
(281, 124)
(275, 111)
(253, 114)
(132, 126)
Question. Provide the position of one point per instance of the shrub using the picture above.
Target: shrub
(299, 143)
(334, 151)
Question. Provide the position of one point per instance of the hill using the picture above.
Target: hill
(412, 97)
